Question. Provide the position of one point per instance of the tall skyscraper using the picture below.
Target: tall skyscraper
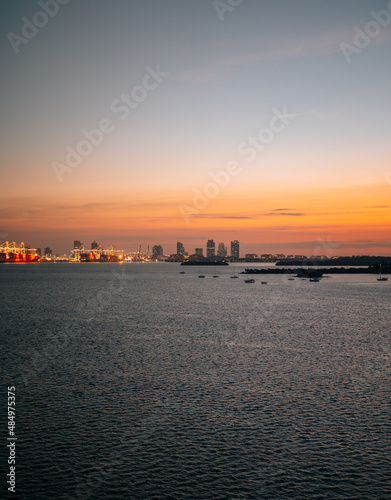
(210, 249)
(157, 251)
(77, 244)
(94, 245)
(235, 249)
(199, 252)
(180, 249)
(222, 250)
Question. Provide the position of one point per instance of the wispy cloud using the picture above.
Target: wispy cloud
(283, 209)
(283, 214)
(322, 115)
(253, 51)
(291, 212)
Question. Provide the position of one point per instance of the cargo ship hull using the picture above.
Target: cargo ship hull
(17, 257)
(91, 257)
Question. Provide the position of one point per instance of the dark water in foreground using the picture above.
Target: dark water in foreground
(136, 382)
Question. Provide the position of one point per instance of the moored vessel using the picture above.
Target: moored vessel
(13, 252)
(380, 277)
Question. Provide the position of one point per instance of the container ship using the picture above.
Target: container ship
(13, 252)
(96, 254)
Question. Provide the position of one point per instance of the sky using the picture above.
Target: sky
(146, 122)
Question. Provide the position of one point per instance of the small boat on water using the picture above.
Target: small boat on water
(215, 276)
(315, 280)
(249, 281)
(182, 272)
(201, 276)
(380, 277)
(234, 275)
(291, 279)
(264, 282)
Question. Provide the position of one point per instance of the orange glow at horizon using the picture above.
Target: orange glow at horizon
(349, 214)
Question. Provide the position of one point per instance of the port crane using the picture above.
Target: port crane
(14, 252)
(96, 254)
(138, 256)
(16, 248)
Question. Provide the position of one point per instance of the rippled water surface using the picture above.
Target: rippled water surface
(136, 382)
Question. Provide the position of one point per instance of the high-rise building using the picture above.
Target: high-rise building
(157, 251)
(180, 249)
(77, 244)
(235, 249)
(94, 245)
(222, 250)
(199, 252)
(210, 249)
(48, 251)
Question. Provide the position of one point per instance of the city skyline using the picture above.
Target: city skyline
(266, 121)
(234, 250)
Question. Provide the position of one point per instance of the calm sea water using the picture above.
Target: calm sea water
(136, 382)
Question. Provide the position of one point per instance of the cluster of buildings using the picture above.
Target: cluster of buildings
(211, 252)
(221, 252)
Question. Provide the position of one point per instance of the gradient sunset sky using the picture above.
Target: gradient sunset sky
(321, 184)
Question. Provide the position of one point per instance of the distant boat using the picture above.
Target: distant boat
(234, 275)
(216, 275)
(201, 276)
(182, 272)
(315, 280)
(264, 282)
(291, 279)
(380, 276)
(249, 281)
